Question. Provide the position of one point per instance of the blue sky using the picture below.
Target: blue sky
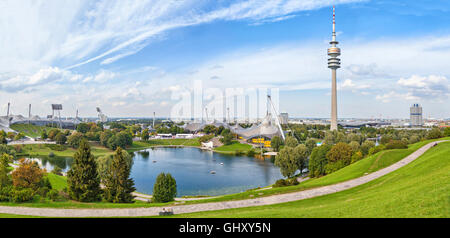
(129, 56)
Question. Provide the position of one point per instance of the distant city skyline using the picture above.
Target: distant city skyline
(129, 57)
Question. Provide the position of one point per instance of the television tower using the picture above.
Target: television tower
(334, 63)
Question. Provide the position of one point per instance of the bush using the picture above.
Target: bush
(51, 154)
(285, 182)
(5, 193)
(357, 156)
(165, 188)
(205, 138)
(376, 149)
(22, 195)
(366, 146)
(396, 144)
(280, 183)
(53, 195)
(251, 153)
(57, 170)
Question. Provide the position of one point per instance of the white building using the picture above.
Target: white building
(416, 115)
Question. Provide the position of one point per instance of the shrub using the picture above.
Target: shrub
(285, 182)
(5, 193)
(205, 138)
(396, 144)
(357, 156)
(251, 153)
(53, 195)
(27, 175)
(376, 149)
(22, 195)
(165, 188)
(276, 142)
(280, 183)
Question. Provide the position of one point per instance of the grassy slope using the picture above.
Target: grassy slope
(420, 189)
(57, 182)
(30, 130)
(43, 150)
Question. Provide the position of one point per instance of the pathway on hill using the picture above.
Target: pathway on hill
(274, 199)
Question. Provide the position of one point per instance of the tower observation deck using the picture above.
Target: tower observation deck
(334, 63)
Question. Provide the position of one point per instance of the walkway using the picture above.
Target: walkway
(154, 211)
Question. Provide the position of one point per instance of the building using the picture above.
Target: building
(284, 118)
(334, 63)
(416, 115)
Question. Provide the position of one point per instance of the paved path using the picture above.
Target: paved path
(154, 211)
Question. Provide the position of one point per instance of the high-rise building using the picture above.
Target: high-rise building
(334, 63)
(416, 115)
(284, 118)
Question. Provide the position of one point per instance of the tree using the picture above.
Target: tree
(434, 133)
(27, 175)
(5, 179)
(104, 163)
(354, 145)
(60, 139)
(310, 144)
(44, 135)
(52, 133)
(318, 160)
(365, 147)
(83, 128)
(291, 142)
(339, 156)
(165, 188)
(82, 179)
(275, 143)
(357, 156)
(227, 137)
(301, 154)
(145, 135)
(118, 184)
(19, 136)
(447, 131)
(286, 161)
(75, 139)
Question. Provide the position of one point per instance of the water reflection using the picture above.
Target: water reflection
(192, 168)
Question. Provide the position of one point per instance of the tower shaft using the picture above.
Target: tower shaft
(334, 63)
(333, 125)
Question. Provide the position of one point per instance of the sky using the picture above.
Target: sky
(130, 57)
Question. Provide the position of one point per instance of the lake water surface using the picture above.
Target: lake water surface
(191, 167)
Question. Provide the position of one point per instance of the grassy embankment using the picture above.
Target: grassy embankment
(420, 189)
(30, 130)
(233, 148)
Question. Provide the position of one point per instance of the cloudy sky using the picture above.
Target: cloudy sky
(128, 56)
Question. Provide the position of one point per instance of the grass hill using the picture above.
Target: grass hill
(420, 189)
(30, 130)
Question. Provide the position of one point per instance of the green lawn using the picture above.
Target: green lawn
(30, 130)
(235, 146)
(420, 189)
(57, 182)
(44, 150)
(139, 145)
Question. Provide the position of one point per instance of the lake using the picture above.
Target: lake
(191, 168)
